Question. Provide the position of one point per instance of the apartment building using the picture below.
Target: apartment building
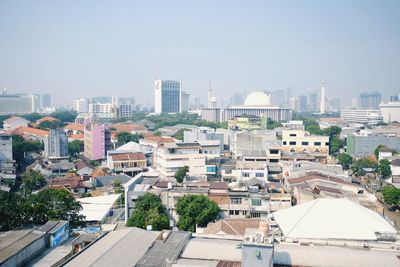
(300, 141)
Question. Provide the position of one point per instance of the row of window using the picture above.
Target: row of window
(244, 213)
(304, 143)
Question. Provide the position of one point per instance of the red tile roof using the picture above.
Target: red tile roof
(74, 127)
(121, 127)
(232, 226)
(313, 176)
(47, 118)
(128, 156)
(30, 130)
(67, 182)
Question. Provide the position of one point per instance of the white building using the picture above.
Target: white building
(390, 111)
(295, 104)
(172, 156)
(14, 122)
(362, 116)
(18, 103)
(322, 99)
(81, 105)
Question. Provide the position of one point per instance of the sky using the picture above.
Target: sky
(74, 49)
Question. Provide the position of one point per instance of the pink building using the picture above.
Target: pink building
(97, 141)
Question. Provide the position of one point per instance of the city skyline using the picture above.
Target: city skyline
(121, 49)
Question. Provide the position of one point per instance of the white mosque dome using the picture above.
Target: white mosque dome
(257, 99)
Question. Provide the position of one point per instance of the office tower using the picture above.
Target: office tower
(313, 102)
(167, 96)
(322, 99)
(302, 103)
(97, 140)
(126, 100)
(56, 144)
(18, 103)
(46, 101)
(184, 102)
(294, 104)
(126, 110)
(104, 99)
(81, 105)
(289, 95)
(278, 97)
(370, 100)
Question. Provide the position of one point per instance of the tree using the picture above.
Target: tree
(181, 173)
(65, 116)
(53, 204)
(332, 131)
(334, 145)
(314, 129)
(75, 147)
(11, 213)
(179, 134)
(125, 137)
(391, 195)
(149, 210)
(364, 163)
(345, 160)
(50, 125)
(378, 149)
(271, 124)
(195, 210)
(384, 168)
(20, 147)
(32, 180)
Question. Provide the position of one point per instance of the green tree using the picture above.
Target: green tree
(75, 147)
(384, 168)
(314, 129)
(195, 210)
(125, 137)
(345, 160)
(20, 147)
(378, 149)
(363, 163)
(271, 124)
(332, 131)
(179, 134)
(11, 212)
(65, 116)
(181, 173)
(52, 204)
(391, 195)
(32, 180)
(149, 210)
(50, 125)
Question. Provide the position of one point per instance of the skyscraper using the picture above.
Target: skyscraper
(302, 103)
(81, 105)
(184, 101)
(46, 101)
(370, 100)
(18, 103)
(167, 96)
(313, 102)
(294, 104)
(322, 99)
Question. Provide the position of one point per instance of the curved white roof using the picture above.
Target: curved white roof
(130, 146)
(258, 99)
(330, 218)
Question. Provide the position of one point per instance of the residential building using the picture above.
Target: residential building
(172, 156)
(81, 105)
(126, 162)
(362, 116)
(364, 143)
(126, 110)
(395, 168)
(18, 103)
(390, 111)
(202, 134)
(97, 141)
(167, 96)
(313, 102)
(370, 100)
(30, 133)
(15, 122)
(245, 122)
(7, 163)
(56, 144)
(301, 141)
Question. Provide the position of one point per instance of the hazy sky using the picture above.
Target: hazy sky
(80, 48)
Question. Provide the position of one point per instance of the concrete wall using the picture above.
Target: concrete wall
(27, 254)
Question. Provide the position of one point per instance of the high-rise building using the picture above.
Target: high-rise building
(185, 101)
(81, 105)
(334, 105)
(126, 100)
(313, 102)
(45, 101)
(370, 100)
(212, 100)
(97, 140)
(322, 99)
(236, 99)
(126, 110)
(289, 95)
(167, 96)
(7, 163)
(56, 144)
(104, 99)
(18, 103)
(394, 98)
(278, 97)
(294, 104)
(302, 103)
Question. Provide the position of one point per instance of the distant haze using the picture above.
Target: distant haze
(74, 49)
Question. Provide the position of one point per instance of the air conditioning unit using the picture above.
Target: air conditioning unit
(259, 238)
(249, 238)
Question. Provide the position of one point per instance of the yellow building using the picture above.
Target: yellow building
(245, 122)
(300, 141)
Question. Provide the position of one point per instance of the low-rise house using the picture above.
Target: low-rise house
(126, 162)
(29, 133)
(47, 118)
(83, 169)
(73, 129)
(129, 127)
(395, 168)
(74, 184)
(300, 141)
(14, 123)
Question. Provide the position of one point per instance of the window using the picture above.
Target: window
(274, 151)
(246, 174)
(284, 142)
(233, 212)
(304, 143)
(259, 174)
(244, 213)
(255, 215)
(256, 201)
(327, 143)
(273, 160)
(294, 135)
(317, 143)
(292, 143)
(236, 200)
